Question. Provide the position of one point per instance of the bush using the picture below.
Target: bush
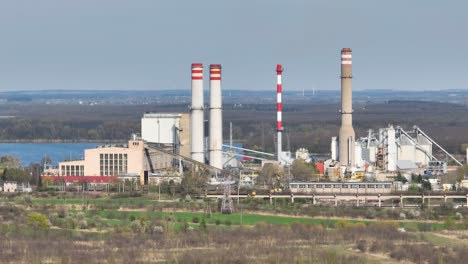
(82, 224)
(362, 245)
(424, 227)
(217, 222)
(37, 220)
(195, 220)
(62, 212)
(227, 222)
(203, 224)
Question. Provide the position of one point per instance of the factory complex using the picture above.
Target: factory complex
(173, 143)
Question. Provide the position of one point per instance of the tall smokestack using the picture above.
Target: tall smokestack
(196, 117)
(347, 135)
(279, 109)
(216, 117)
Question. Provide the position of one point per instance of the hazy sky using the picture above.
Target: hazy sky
(150, 44)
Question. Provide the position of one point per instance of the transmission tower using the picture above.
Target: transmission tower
(227, 206)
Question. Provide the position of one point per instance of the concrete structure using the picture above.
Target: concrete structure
(216, 117)
(134, 159)
(334, 148)
(10, 186)
(196, 122)
(391, 145)
(279, 108)
(347, 135)
(170, 131)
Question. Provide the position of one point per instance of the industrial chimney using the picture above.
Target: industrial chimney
(279, 109)
(347, 135)
(196, 117)
(216, 117)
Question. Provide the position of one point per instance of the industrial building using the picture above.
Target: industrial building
(170, 131)
(167, 142)
(389, 149)
(137, 159)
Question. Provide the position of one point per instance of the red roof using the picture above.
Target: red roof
(92, 179)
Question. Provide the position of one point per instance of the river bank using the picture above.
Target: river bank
(62, 140)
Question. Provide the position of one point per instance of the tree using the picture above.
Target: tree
(426, 185)
(271, 175)
(462, 172)
(303, 171)
(17, 175)
(9, 162)
(194, 181)
(400, 178)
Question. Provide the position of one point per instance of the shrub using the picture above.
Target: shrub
(195, 220)
(62, 212)
(424, 227)
(82, 224)
(370, 214)
(217, 222)
(203, 224)
(227, 222)
(37, 220)
(362, 245)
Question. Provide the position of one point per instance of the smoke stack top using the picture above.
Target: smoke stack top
(279, 68)
(215, 72)
(346, 56)
(197, 71)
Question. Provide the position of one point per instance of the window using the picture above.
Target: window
(387, 186)
(362, 186)
(319, 186)
(302, 186)
(345, 186)
(371, 186)
(327, 185)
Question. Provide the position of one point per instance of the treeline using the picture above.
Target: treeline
(305, 125)
(30, 129)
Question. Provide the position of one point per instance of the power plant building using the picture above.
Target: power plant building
(390, 146)
(170, 131)
(134, 159)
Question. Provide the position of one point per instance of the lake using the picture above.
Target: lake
(34, 152)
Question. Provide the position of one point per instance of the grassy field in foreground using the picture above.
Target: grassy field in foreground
(121, 218)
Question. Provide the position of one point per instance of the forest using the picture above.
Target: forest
(306, 125)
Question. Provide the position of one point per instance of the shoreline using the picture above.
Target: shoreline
(62, 141)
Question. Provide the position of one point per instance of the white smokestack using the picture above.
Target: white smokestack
(216, 117)
(196, 117)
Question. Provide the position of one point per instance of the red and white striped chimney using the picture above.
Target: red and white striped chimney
(196, 118)
(216, 117)
(279, 108)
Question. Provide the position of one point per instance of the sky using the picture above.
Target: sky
(150, 44)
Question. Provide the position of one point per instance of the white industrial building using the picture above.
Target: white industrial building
(392, 148)
(169, 130)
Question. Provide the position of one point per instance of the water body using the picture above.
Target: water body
(29, 153)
